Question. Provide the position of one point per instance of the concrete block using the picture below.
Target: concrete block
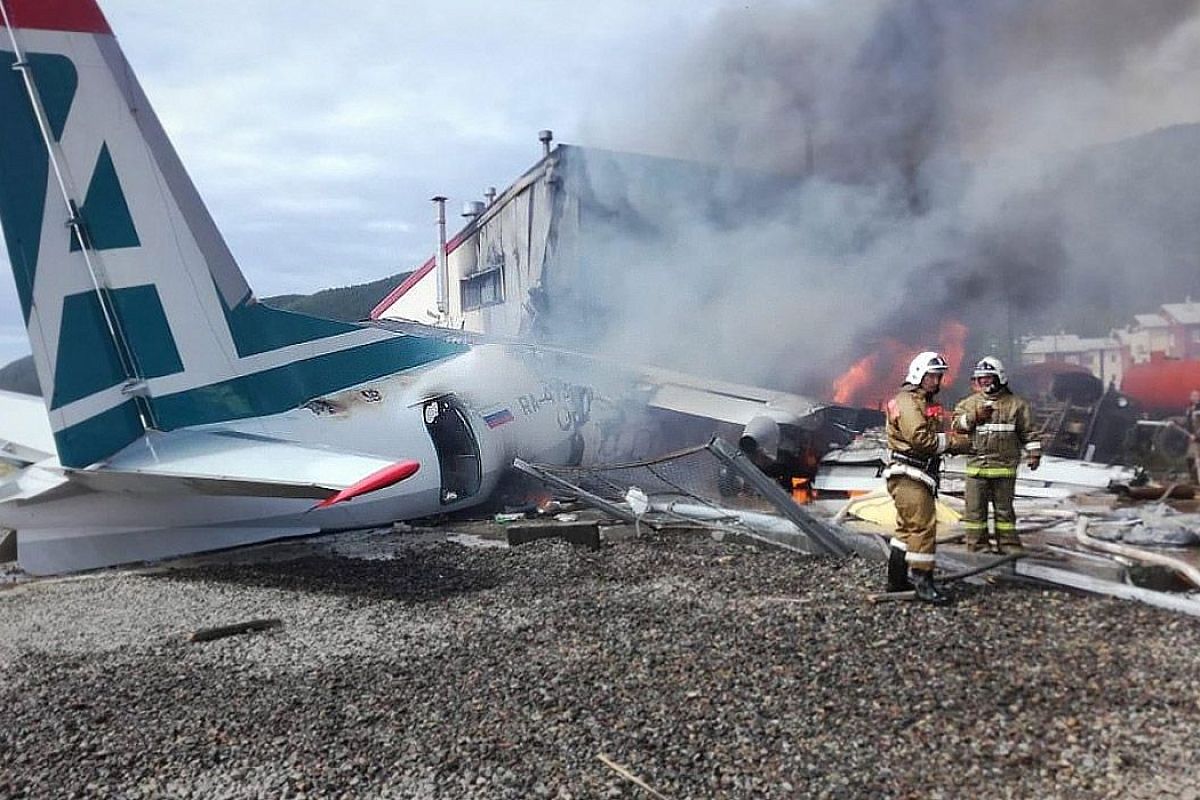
(581, 533)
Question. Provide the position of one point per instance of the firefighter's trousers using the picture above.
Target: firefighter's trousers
(981, 492)
(916, 521)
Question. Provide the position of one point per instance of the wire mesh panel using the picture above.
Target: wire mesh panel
(692, 487)
(692, 473)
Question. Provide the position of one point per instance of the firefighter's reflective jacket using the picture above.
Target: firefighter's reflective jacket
(915, 436)
(998, 443)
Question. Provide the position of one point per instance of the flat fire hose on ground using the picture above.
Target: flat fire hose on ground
(891, 597)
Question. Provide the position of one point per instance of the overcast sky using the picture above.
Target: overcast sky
(316, 132)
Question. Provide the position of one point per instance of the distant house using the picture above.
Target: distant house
(1171, 334)
(1103, 357)
(1149, 335)
(1183, 325)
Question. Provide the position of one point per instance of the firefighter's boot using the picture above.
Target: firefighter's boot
(1009, 544)
(897, 571)
(927, 591)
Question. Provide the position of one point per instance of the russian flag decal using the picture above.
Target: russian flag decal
(498, 418)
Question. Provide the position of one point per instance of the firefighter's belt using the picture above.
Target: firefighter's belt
(925, 470)
(931, 465)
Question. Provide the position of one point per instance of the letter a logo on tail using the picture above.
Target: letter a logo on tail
(138, 315)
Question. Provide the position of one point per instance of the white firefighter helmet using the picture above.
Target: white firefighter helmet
(925, 363)
(990, 365)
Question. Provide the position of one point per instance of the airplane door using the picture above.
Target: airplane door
(457, 448)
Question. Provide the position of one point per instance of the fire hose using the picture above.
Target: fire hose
(888, 597)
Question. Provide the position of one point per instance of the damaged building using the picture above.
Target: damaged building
(583, 242)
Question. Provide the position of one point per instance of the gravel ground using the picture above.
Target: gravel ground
(706, 669)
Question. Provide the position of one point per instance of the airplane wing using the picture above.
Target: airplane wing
(218, 463)
(719, 400)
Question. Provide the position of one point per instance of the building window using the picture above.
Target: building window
(482, 289)
(1196, 334)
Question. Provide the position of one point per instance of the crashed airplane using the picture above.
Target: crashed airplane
(186, 416)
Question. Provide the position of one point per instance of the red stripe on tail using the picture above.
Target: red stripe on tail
(56, 15)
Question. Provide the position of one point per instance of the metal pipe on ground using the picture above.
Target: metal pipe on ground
(1138, 554)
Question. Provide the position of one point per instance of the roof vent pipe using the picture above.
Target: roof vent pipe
(490, 195)
(443, 279)
(473, 208)
(546, 137)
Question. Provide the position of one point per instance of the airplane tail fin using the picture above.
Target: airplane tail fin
(138, 316)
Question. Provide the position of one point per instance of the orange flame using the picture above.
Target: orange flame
(952, 338)
(852, 381)
(876, 376)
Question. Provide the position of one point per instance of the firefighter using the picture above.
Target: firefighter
(1000, 425)
(916, 442)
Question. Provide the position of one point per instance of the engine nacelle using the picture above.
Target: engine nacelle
(760, 441)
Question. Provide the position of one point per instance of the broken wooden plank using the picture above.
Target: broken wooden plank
(629, 776)
(876, 598)
(220, 632)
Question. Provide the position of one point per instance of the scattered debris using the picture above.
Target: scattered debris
(858, 468)
(220, 632)
(1138, 554)
(576, 532)
(629, 776)
(1157, 492)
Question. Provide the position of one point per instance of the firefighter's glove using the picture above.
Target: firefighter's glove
(983, 412)
(958, 443)
(1034, 462)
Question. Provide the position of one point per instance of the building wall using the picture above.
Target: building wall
(418, 303)
(1145, 342)
(1105, 359)
(1185, 341)
(506, 258)
(492, 263)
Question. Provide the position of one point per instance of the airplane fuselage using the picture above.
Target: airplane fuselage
(463, 420)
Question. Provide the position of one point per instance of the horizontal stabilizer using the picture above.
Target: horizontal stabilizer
(25, 435)
(230, 463)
